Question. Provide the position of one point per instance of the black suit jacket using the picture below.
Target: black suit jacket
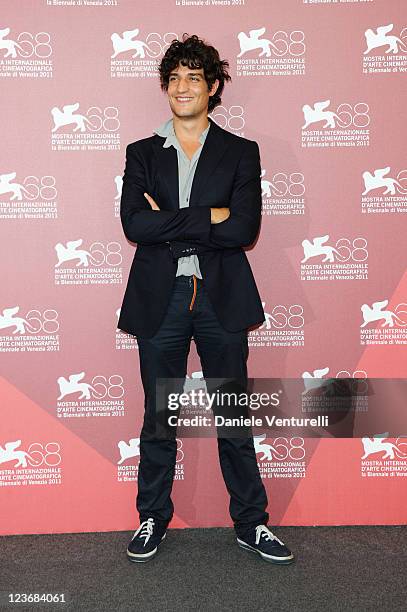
(227, 174)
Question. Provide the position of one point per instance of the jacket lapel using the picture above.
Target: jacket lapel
(212, 152)
(167, 162)
(213, 149)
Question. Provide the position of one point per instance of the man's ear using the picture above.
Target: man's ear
(214, 87)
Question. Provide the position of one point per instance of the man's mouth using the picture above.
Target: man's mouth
(183, 99)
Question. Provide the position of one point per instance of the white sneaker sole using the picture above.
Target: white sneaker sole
(142, 558)
(269, 558)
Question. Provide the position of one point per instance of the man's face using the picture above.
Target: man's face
(188, 93)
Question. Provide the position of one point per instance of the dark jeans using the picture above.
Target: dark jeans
(222, 354)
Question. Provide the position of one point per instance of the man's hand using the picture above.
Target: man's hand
(152, 203)
(219, 214)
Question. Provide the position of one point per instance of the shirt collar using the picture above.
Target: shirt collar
(166, 130)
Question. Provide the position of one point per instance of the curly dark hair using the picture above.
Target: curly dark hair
(195, 53)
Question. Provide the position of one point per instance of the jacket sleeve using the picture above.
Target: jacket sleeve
(143, 225)
(241, 227)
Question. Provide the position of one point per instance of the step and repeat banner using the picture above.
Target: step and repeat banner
(320, 85)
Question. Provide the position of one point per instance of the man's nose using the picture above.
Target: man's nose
(182, 86)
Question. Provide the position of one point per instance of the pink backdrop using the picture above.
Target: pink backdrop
(321, 87)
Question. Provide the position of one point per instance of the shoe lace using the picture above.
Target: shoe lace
(264, 532)
(145, 530)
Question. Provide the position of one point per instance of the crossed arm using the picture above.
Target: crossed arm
(202, 226)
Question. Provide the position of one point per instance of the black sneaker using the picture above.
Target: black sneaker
(143, 545)
(262, 541)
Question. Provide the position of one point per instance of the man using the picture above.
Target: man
(190, 278)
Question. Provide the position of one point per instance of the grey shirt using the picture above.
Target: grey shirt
(186, 170)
